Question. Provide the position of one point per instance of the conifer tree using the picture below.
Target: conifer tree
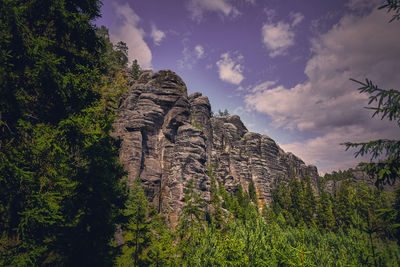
(344, 204)
(253, 192)
(191, 217)
(297, 200)
(309, 201)
(135, 70)
(61, 194)
(217, 213)
(136, 229)
(385, 152)
(325, 218)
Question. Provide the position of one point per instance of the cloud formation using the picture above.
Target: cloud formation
(327, 103)
(297, 18)
(199, 51)
(190, 55)
(157, 35)
(230, 68)
(130, 33)
(197, 8)
(278, 37)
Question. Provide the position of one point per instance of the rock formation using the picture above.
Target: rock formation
(169, 138)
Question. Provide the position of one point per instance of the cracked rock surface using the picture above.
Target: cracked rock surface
(169, 138)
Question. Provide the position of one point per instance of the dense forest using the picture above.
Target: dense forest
(63, 198)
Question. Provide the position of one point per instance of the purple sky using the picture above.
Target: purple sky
(282, 65)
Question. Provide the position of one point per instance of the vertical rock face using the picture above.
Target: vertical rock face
(169, 138)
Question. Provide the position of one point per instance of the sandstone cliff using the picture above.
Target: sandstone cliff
(169, 138)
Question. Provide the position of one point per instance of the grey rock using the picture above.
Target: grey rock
(169, 138)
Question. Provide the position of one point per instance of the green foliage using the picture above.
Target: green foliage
(386, 170)
(392, 5)
(60, 177)
(114, 57)
(197, 125)
(252, 192)
(224, 113)
(192, 216)
(325, 218)
(136, 232)
(217, 215)
(249, 238)
(135, 70)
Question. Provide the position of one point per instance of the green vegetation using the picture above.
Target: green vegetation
(345, 228)
(60, 177)
(387, 152)
(224, 113)
(63, 200)
(385, 170)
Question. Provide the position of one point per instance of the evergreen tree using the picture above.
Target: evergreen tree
(60, 186)
(344, 204)
(309, 201)
(224, 113)
(296, 199)
(387, 152)
(161, 250)
(253, 192)
(121, 53)
(325, 218)
(136, 229)
(135, 70)
(217, 213)
(114, 57)
(191, 217)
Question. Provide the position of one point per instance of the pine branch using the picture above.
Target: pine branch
(392, 5)
(388, 100)
(376, 148)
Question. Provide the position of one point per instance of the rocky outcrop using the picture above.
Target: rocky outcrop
(169, 138)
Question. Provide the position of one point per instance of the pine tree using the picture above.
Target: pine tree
(296, 199)
(191, 217)
(59, 168)
(136, 230)
(325, 218)
(253, 192)
(135, 70)
(344, 204)
(217, 213)
(387, 152)
(309, 201)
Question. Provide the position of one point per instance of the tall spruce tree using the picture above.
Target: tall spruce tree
(325, 218)
(136, 229)
(60, 186)
(385, 152)
(253, 192)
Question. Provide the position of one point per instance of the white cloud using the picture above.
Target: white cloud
(190, 55)
(297, 18)
(230, 70)
(327, 152)
(278, 37)
(199, 51)
(157, 35)
(197, 8)
(328, 103)
(263, 86)
(130, 33)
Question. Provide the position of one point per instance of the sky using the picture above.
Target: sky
(283, 66)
